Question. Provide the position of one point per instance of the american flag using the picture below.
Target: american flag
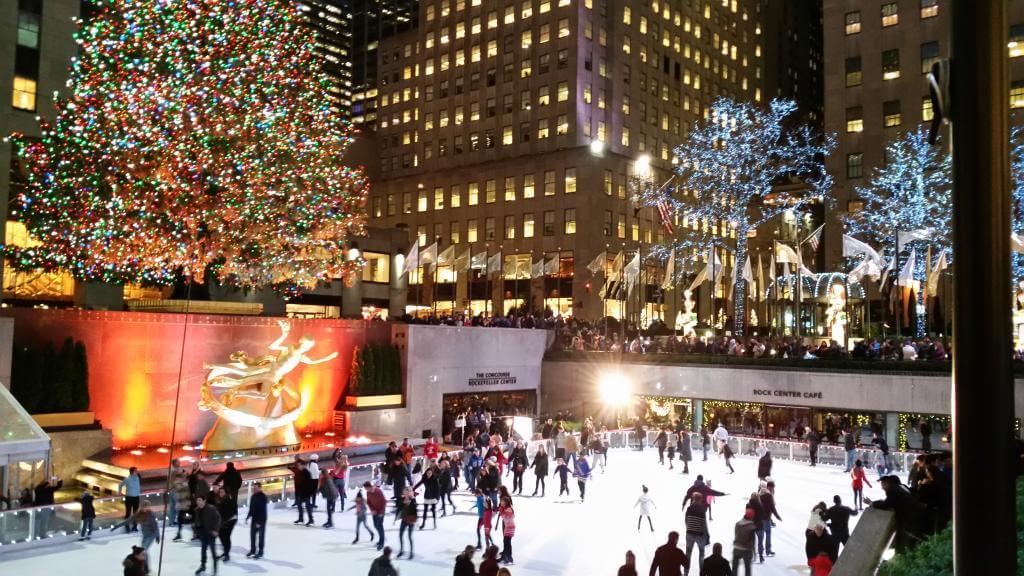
(815, 238)
(665, 211)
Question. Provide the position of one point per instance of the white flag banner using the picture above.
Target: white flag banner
(617, 263)
(748, 274)
(537, 270)
(936, 272)
(632, 270)
(494, 264)
(867, 267)
(785, 254)
(906, 276)
(762, 288)
(670, 272)
(702, 276)
(597, 265)
(412, 258)
(904, 237)
(429, 255)
(462, 261)
(853, 248)
(479, 261)
(447, 256)
(885, 271)
(551, 266)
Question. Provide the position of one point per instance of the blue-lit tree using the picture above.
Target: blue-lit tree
(1017, 190)
(726, 173)
(911, 192)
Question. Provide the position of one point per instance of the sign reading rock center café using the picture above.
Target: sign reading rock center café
(760, 392)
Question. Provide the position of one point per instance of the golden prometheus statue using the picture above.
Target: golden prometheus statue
(258, 407)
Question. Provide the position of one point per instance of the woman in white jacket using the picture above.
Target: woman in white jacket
(647, 505)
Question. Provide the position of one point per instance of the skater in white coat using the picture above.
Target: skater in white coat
(646, 505)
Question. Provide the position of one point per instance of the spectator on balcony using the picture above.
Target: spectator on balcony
(908, 512)
(909, 350)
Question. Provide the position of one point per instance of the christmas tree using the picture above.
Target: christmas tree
(197, 136)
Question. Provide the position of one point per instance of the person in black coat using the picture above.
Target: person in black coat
(759, 517)
(540, 469)
(684, 449)
(227, 507)
(908, 512)
(838, 517)
(701, 487)
(518, 462)
(764, 466)
(258, 528)
(819, 540)
(304, 488)
(88, 515)
(400, 478)
(464, 563)
(135, 563)
(431, 492)
(231, 479)
(813, 440)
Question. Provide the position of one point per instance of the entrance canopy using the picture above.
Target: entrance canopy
(21, 439)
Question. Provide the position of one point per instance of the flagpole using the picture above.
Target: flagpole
(775, 313)
(799, 289)
(899, 289)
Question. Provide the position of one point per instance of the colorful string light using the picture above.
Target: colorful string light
(197, 139)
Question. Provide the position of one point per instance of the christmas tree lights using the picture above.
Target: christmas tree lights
(197, 137)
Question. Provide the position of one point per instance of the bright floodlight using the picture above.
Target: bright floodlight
(642, 166)
(596, 147)
(614, 389)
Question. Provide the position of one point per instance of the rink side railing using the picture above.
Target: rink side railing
(21, 528)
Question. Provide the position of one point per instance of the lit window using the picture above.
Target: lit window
(927, 113)
(543, 96)
(570, 180)
(528, 223)
(627, 15)
(563, 91)
(549, 183)
(1017, 94)
(510, 189)
(510, 227)
(439, 198)
(491, 191)
(545, 33)
(542, 129)
(890, 64)
(625, 136)
(1016, 41)
(545, 7)
(855, 119)
(24, 94)
(563, 27)
(929, 8)
(474, 194)
(510, 14)
(570, 220)
(890, 14)
(28, 29)
(506, 136)
(562, 128)
(455, 236)
(471, 231)
(853, 71)
(527, 9)
(854, 165)
(528, 186)
(891, 113)
(421, 204)
(852, 22)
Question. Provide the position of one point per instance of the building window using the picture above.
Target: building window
(510, 227)
(853, 71)
(392, 205)
(407, 203)
(510, 189)
(28, 26)
(570, 180)
(471, 231)
(929, 56)
(549, 222)
(542, 129)
(855, 119)
(549, 183)
(563, 91)
(439, 198)
(607, 223)
(563, 27)
(24, 94)
(488, 229)
(620, 226)
(474, 194)
(890, 14)
(890, 64)
(1016, 41)
(607, 182)
(854, 165)
(506, 136)
(528, 186)
(421, 203)
(1017, 94)
(929, 8)
(421, 236)
(456, 196)
(570, 220)
(891, 113)
(562, 126)
(377, 267)
(926, 109)
(852, 22)
(455, 236)
(528, 223)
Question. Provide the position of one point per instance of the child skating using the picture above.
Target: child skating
(646, 505)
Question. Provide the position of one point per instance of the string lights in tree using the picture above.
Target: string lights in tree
(911, 192)
(1017, 190)
(726, 170)
(197, 136)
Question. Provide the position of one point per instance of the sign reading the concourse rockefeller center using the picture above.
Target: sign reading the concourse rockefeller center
(787, 394)
(492, 379)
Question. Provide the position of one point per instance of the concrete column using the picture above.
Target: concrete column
(99, 296)
(698, 414)
(398, 287)
(892, 425)
(352, 296)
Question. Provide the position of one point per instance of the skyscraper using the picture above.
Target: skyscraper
(373, 21)
(331, 21)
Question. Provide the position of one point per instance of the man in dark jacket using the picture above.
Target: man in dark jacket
(764, 465)
(464, 563)
(908, 512)
(700, 486)
(304, 488)
(716, 564)
(838, 517)
(377, 504)
(231, 479)
(850, 445)
(400, 478)
(258, 516)
(44, 497)
(669, 560)
(767, 496)
(135, 563)
(759, 517)
(382, 564)
(813, 439)
(208, 528)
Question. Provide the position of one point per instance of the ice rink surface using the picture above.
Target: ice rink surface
(553, 535)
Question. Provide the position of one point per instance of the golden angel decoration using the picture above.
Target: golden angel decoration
(256, 406)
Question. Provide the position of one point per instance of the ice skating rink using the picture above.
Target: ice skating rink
(553, 535)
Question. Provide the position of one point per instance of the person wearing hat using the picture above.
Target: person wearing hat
(743, 543)
(135, 563)
(767, 495)
(464, 563)
(905, 507)
(88, 515)
(258, 528)
(314, 475)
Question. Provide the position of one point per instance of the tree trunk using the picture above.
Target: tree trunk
(740, 287)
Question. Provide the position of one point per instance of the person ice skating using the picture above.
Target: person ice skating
(409, 510)
(759, 517)
(729, 454)
(431, 448)
(540, 469)
(132, 488)
(227, 507)
(313, 466)
(646, 505)
(629, 568)
(581, 471)
(88, 515)
(563, 477)
(134, 564)
(672, 450)
(378, 505)
(819, 541)
(696, 528)
(464, 563)
(850, 446)
(231, 479)
(444, 482)
(767, 496)
(489, 566)
(721, 437)
(838, 517)
(705, 441)
(339, 475)
(329, 490)
(661, 441)
(431, 491)
(208, 527)
(507, 515)
(518, 462)
(716, 564)
(359, 505)
(484, 516)
(821, 565)
(304, 490)
(400, 478)
(860, 478)
(382, 564)
(183, 501)
(813, 440)
(669, 560)
(885, 466)
(743, 543)
(257, 517)
(684, 449)
(764, 465)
